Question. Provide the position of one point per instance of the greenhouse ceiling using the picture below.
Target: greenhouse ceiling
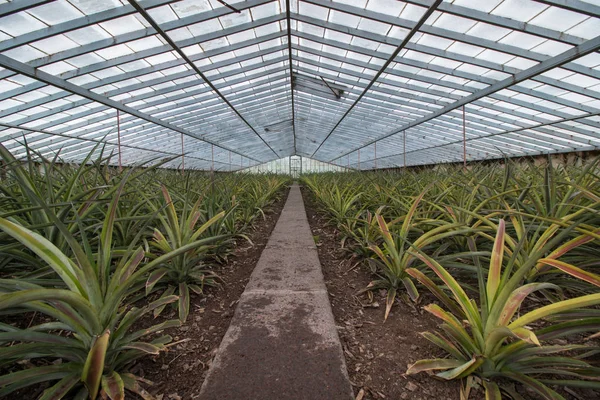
(359, 83)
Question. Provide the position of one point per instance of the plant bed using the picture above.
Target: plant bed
(89, 254)
(377, 352)
(179, 372)
(380, 354)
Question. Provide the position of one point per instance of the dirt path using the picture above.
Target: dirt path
(282, 342)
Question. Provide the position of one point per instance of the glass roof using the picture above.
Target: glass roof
(359, 83)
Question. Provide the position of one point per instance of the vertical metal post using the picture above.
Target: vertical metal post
(212, 157)
(404, 146)
(464, 140)
(348, 161)
(359, 159)
(301, 161)
(119, 139)
(182, 156)
(375, 155)
(229, 160)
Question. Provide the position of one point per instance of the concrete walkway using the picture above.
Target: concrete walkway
(282, 342)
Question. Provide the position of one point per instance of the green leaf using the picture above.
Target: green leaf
(61, 388)
(493, 279)
(461, 370)
(433, 288)
(23, 297)
(411, 289)
(184, 301)
(143, 347)
(91, 374)
(516, 299)
(132, 384)
(33, 375)
(131, 264)
(492, 391)
(444, 344)
(434, 364)
(389, 301)
(206, 225)
(555, 308)
(154, 278)
(46, 251)
(113, 386)
(461, 297)
(534, 384)
(572, 270)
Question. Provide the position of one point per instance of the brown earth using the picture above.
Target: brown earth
(377, 353)
(179, 373)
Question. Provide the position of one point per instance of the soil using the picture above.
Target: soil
(377, 352)
(178, 373)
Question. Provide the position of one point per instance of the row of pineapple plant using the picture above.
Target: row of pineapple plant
(87, 251)
(510, 253)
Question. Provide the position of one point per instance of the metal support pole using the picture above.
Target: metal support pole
(464, 140)
(182, 156)
(375, 155)
(359, 159)
(230, 160)
(212, 158)
(119, 139)
(404, 146)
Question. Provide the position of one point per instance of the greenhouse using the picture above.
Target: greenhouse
(299, 199)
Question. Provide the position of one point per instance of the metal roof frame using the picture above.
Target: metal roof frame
(526, 76)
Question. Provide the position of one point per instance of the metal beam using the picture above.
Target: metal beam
(125, 89)
(139, 97)
(73, 24)
(459, 142)
(446, 34)
(428, 91)
(391, 97)
(577, 6)
(431, 51)
(289, 39)
(49, 79)
(588, 47)
(191, 64)
(135, 35)
(407, 38)
(96, 141)
(457, 73)
(17, 6)
(114, 13)
(464, 12)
